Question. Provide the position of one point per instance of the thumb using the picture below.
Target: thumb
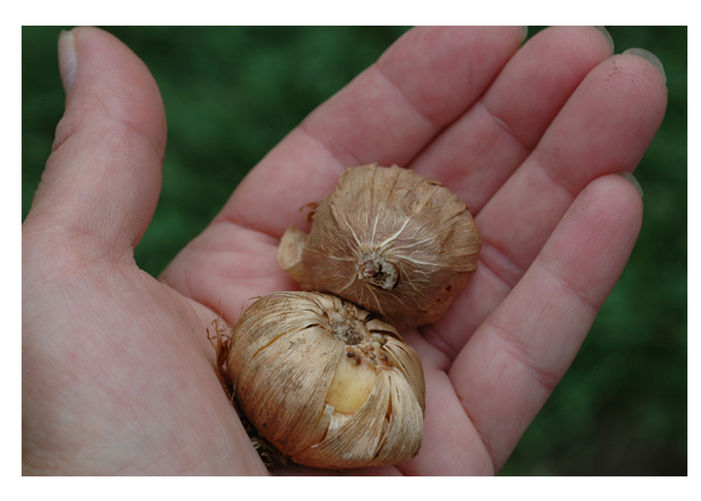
(101, 183)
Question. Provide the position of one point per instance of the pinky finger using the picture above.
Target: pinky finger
(507, 370)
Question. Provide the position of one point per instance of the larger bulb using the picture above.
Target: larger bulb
(326, 383)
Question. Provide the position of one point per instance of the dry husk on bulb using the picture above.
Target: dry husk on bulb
(326, 383)
(389, 240)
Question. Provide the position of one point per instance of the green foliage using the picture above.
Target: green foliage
(231, 93)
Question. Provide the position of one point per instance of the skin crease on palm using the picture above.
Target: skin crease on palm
(117, 373)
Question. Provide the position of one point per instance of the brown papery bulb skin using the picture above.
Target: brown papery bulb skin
(389, 240)
(326, 383)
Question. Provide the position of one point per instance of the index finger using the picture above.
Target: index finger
(387, 114)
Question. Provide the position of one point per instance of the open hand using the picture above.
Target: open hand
(118, 374)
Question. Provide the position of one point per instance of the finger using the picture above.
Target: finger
(101, 182)
(477, 153)
(387, 115)
(605, 127)
(509, 367)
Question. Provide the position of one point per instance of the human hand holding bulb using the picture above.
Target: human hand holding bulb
(118, 374)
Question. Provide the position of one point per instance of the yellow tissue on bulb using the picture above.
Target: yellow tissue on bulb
(350, 386)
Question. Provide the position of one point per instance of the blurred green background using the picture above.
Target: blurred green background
(232, 93)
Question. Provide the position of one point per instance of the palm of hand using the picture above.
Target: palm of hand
(117, 371)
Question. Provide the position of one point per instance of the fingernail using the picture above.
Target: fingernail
(608, 36)
(649, 56)
(630, 177)
(67, 59)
